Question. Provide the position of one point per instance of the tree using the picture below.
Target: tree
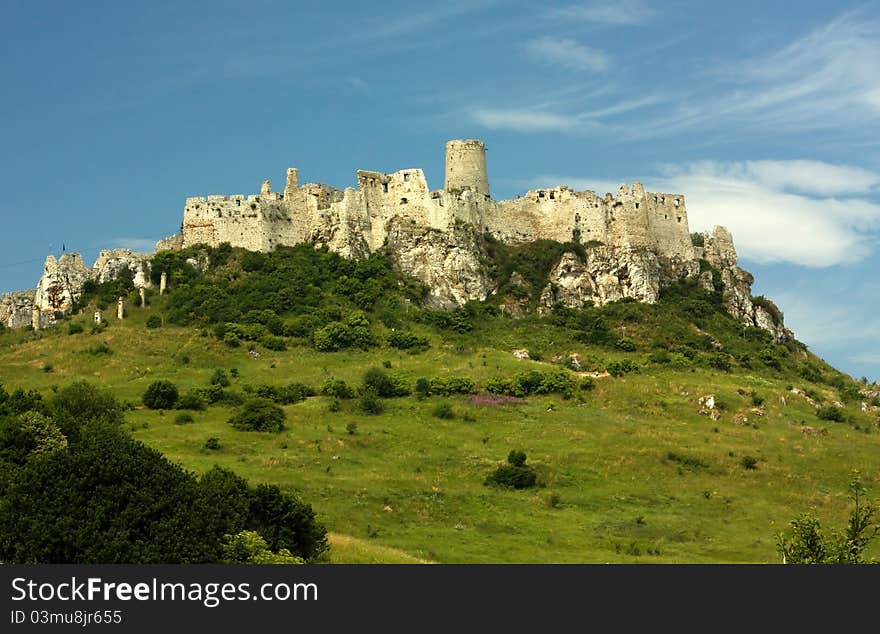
(805, 543)
(161, 394)
(259, 414)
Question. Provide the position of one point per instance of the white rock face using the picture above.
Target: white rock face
(16, 309)
(110, 264)
(608, 275)
(720, 253)
(60, 286)
(447, 262)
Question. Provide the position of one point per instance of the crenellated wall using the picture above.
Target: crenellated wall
(355, 222)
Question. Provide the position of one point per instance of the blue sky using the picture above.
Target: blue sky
(766, 115)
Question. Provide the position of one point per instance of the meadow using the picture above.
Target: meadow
(628, 471)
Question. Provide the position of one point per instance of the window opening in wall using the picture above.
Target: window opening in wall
(637, 205)
(385, 187)
(540, 194)
(655, 199)
(238, 203)
(406, 176)
(403, 201)
(665, 216)
(552, 195)
(677, 202)
(679, 218)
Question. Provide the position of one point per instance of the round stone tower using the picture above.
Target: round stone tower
(466, 166)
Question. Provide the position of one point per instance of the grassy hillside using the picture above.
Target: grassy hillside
(628, 468)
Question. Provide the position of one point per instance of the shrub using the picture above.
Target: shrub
(192, 400)
(515, 474)
(625, 344)
(830, 412)
(385, 385)
(370, 403)
(351, 428)
(219, 378)
(337, 388)
(99, 350)
(161, 394)
(408, 341)
(259, 414)
(282, 395)
(423, 387)
(212, 444)
(619, 368)
(154, 321)
(74, 328)
(533, 382)
(749, 462)
(588, 383)
(447, 386)
(443, 410)
(271, 342)
(184, 418)
(689, 462)
(353, 333)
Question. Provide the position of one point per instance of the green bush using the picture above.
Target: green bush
(213, 444)
(337, 388)
(220, 378)
(619, 368)
(449, 385)
(282, 395)
(408, 341)
(75, 328)
(161, 394)
(184, 418)
(99, 350)
(515, 474)
(370, 403)
(154, 321)
(353, 333)
(384, 384)
(423, 387)
(259, 414)
(830, 412)
(749, 462)
(192, 400)
(533, 382)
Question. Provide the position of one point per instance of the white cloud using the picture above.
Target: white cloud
(623, 12)
(523, 120)
(771, 224)
(811, 177)
(567, 53)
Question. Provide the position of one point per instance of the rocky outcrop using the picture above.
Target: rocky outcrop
(16, 309)
(110, 264)
(60, 286)
(62, 282)
(609, 274)
(449, 263)
(719, 252)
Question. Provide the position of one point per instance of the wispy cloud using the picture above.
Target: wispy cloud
(568, 54)
(523, 120)
(623, 12)
(825, 80)
(547, 118)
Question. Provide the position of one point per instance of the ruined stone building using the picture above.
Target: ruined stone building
(635, 241)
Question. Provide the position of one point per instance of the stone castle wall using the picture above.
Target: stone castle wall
(356, 222)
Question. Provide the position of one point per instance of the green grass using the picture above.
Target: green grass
(408, 485)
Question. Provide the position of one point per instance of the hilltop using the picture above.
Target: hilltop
(657, 432)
